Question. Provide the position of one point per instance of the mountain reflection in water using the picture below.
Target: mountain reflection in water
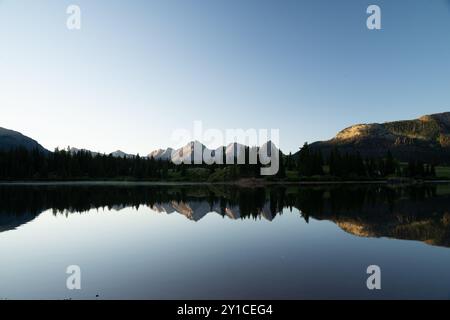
(418, 213)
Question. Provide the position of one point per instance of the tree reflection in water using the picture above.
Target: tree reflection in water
(411, 213)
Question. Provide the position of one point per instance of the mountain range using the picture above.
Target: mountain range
(426, 138)
(116, 154)
(186, 153)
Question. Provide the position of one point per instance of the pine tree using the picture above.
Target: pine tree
(282, 167)
(289, 162)
(390, 165)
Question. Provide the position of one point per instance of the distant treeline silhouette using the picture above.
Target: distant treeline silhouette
(314, 201)
(23, 164)
(311, 163)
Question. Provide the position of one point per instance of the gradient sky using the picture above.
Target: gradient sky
(137, 70)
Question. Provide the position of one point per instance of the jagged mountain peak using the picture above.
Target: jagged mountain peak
(186, 152)
(121, 154)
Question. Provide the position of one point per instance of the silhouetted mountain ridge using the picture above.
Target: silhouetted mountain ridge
(10, 139)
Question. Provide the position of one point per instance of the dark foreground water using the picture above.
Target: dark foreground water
(219, 242)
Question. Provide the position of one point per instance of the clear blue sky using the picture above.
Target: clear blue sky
(137, 70)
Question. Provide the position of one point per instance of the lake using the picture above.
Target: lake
(134, 241)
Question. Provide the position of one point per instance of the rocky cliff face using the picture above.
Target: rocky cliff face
(426, 138)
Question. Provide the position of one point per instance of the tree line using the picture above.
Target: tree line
(23, 164)
(312, 163)
(62, 164)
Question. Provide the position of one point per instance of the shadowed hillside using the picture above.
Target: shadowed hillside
(10, 139)
(426, 139)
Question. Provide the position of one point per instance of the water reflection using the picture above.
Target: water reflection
(412, 213)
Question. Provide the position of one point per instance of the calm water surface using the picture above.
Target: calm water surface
(223, 242)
